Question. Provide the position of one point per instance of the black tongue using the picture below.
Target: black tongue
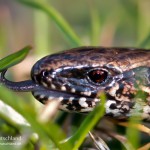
(22, 86)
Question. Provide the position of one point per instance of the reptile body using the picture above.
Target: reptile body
(78, 77)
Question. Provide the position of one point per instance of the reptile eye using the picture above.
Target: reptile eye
(98, 76)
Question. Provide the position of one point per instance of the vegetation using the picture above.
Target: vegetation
(124, 24)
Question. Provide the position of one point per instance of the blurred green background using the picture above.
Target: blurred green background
(95, 22)
(119, 23)
(116, 23)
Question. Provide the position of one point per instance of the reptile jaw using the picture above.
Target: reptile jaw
(70, 102)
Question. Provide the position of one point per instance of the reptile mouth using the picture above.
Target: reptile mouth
(68, 101)
(71, 102)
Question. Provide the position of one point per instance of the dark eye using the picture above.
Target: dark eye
(45, 73)
(98, 76)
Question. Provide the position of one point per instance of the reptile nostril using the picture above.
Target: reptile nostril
(45, 73)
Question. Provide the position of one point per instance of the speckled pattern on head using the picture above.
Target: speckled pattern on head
(77, 77)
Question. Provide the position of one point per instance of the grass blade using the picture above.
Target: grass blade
(57, 18)
(14, 58)
(46, 131)
(96, 27)
(146, 42)
(90, 121)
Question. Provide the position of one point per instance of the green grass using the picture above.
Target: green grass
(57, 18)
(14, 59)
(102, 26)
(45, 130)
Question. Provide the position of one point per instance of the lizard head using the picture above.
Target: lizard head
(78, 77)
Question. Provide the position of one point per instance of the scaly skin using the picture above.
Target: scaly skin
(77, 78)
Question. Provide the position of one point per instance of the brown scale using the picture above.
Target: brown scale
(128, 72)
(120, 57)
